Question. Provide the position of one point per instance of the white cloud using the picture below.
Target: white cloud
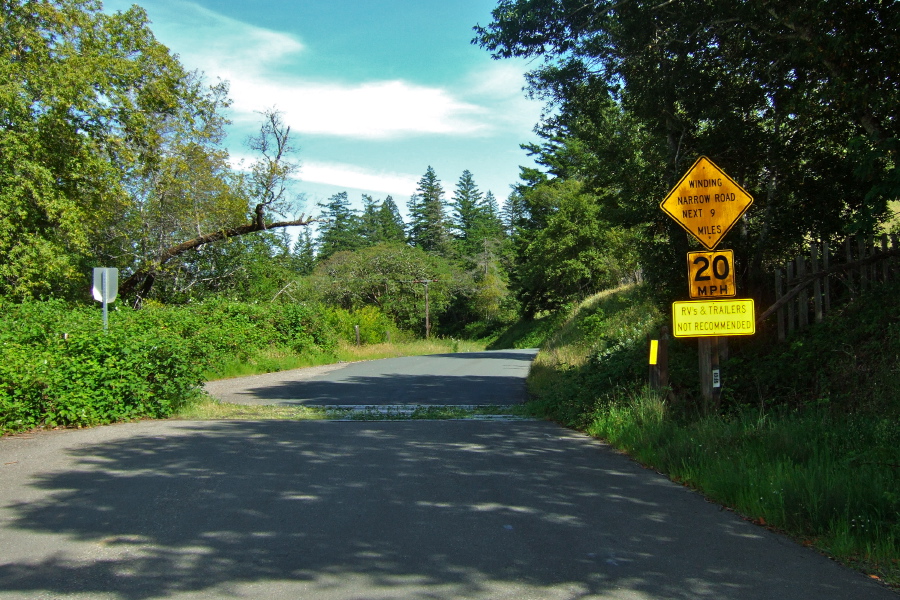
(354, 177)
(499, 88)
(368, 110)
(343, 175)
(264, 69)
(214, 43)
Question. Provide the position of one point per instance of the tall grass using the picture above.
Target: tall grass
(829, 481)
(819, 461)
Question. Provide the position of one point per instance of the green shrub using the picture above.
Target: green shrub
(58, 368)
(373, 324)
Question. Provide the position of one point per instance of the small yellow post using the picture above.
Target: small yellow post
(654, 351)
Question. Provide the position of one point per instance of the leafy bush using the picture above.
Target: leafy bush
(58, 368)
(373, 324)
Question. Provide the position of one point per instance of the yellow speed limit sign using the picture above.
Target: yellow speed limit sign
(711, 274)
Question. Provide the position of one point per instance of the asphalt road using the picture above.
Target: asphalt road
(360, 510)
(494, 377)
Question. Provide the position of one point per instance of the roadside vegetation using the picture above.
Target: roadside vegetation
(112, 153)
(60, 368)
(806, 440)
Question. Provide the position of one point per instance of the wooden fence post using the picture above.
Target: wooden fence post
(803, 303)
(894, 245)
(659, 360)
(780, 312)
(873, 268)
(848, 248)
(863, 271)
(790, 305)
(826, 254)
(817, 283)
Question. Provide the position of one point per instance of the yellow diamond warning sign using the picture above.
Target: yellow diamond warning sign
(706, 202)
(704, 318)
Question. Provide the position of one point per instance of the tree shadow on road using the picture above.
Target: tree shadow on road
(370, 510)
(391, 388)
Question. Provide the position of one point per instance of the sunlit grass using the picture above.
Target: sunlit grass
(829, 479)
(207, 408)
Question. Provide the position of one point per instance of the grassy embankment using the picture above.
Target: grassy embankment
(806, 441)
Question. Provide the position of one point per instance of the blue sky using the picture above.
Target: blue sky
(374, 92)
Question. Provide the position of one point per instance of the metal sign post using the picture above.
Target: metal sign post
(105, 289)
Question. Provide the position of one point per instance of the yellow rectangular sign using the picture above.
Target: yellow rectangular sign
(711, 274)
(708, 318)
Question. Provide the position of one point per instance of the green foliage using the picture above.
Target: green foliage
(569, 252)
(846, 363)
(428, 228)
(598, 349)
(795, 102)
(59, 368)
(383, 276)
(339, 227)
(374, 326)
(108, 149)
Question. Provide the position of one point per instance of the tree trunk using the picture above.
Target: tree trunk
(146, 275)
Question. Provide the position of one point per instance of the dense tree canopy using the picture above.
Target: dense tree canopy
(798, 101)
(87, 103)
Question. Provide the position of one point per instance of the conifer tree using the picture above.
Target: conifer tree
(428, 224)
(339, 226)
(304, 252)
(390, 222)
(466, 207)
(369, 222)
(490, 226)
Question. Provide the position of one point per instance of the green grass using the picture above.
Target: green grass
(814, 453)
(208, 409)
(828, 481)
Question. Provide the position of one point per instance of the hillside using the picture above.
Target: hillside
(806, 441)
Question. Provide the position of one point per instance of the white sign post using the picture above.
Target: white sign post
(106, 286)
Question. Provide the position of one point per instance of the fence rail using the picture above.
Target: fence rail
(810, 285)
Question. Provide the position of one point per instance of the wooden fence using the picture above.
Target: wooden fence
(811, 285)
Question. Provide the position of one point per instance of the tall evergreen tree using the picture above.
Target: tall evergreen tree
(489, 225)
(514, 213)
(390, 222)
(304, 252)
(466, 212)
(339, 227)
(428, 223)
(369, 222)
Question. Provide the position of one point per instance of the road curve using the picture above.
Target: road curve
(492, 377)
